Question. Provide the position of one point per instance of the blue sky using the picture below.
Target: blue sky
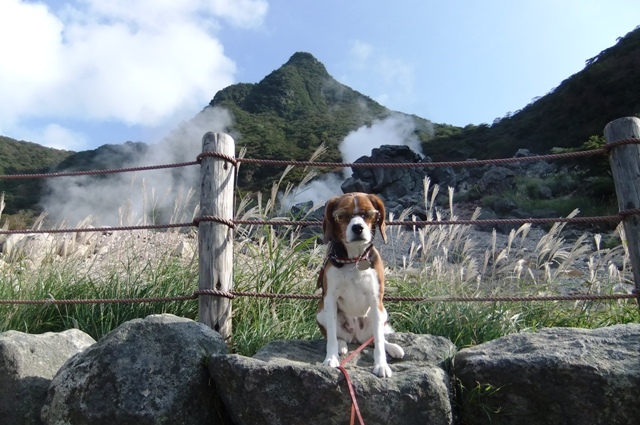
(79, 74)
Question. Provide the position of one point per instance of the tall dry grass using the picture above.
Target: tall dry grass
(430, 261)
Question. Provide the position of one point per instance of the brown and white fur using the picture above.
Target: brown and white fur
(351, 307)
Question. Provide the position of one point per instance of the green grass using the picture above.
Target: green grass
(570, 192)
(70, 279)
(442, 262)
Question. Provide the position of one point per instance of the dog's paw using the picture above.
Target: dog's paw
(394, 350)
(342, 347)
(331, 361)
(382, 370)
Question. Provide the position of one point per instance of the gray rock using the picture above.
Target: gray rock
(543, 213)
(150, 371)
(496, 180)
(285, 383)
(444, 176)
(504, 206)
(27, 365)
(486, 214)
(301, 210)
(522, 153)
(356, 185)
(391, 183)
(539, 191)
(540, 169)
(554, 376)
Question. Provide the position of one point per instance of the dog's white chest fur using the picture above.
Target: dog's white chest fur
(353, 289)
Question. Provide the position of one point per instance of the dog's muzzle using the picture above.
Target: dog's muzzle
(358, 230)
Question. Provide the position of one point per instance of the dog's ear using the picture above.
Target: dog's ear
(379, 205)
(328, 222)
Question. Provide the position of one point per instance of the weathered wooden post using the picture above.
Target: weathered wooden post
(625, 166)
(215, 240)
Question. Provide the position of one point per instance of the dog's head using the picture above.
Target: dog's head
(353, 217)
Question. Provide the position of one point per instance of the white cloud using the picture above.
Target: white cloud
(389, 80)
(242, 13)
(137, 62)
(29, 56)
(57, 137)
(361, 53)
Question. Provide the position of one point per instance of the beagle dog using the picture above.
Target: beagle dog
(352, 280)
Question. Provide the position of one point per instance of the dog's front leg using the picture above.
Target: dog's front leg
(330, 312)
(378, 319)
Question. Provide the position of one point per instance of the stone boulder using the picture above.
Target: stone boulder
(554, 376)
(27, 364)
(390, 183)
(285, 383)
(147, 371)
(496, 180)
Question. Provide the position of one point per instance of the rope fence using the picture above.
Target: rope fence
(282, 296)
(256, 161)
(306, 223)
(231, 223)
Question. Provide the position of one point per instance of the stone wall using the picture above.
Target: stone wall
(169, 370)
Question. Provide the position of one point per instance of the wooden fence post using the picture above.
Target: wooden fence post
(215, 240)
(625, 167)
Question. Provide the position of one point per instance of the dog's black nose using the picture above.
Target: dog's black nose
(357, 229)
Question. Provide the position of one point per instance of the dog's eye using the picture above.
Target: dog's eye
(370, 214)
(342, 216)
(345, 217)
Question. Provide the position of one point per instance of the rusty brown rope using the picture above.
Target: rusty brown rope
(466, 163)
(94, 172)
(105, 229)
(513, 221)
(53, 301)
(233, 160)
(233, 223)
(576, 297)
(233, 294)
(628, 141)
(229, 223)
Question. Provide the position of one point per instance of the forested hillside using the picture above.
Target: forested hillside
(607, 88)
(20, 157)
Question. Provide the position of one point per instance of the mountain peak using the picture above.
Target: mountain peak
(301, 86)
(302, 57)
(306, 60)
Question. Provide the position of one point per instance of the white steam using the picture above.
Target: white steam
(166, 195)
(396, 129)
(143, 197)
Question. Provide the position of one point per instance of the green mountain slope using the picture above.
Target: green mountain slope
(20, 157)
(606, 89)
(292, 111)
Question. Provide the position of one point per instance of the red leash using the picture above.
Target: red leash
(354, 403)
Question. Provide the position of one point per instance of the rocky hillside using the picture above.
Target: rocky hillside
(292, 111)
